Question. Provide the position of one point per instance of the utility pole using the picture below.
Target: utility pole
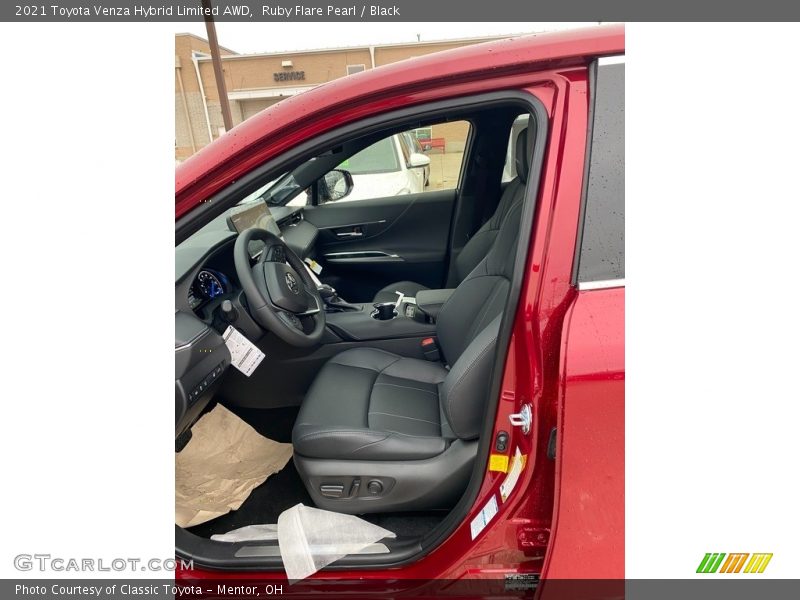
(211, 30)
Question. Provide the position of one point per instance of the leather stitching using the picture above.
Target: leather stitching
(404, 417)
(405, 387)
(476, 326)
(371, 443)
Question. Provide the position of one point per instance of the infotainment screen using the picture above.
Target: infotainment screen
(253, 214)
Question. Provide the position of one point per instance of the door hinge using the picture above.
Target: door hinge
(523, 418)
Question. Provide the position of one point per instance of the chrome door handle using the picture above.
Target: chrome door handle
(350, 234)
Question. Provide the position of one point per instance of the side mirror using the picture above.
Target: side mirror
(417, 161)
(335, 185)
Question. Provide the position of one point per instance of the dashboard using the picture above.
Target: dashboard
(205, 276)
(205, 270)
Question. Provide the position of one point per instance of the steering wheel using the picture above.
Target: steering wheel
(281, 297)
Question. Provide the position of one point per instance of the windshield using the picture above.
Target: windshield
(381, 157)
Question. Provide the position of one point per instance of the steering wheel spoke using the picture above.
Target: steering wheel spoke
(315, 303)
(290, 319)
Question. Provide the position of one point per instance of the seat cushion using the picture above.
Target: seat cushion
(409, 288)
(368, 404)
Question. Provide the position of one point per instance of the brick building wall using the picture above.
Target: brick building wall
(252, 83)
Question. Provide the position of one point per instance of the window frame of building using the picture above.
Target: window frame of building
(363, 67)
(419, 133)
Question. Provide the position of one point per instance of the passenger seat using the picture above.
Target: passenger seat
(478, 246)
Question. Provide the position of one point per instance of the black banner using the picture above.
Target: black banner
(508, 586)
(397, 10)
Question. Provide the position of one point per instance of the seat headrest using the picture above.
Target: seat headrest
(521, 155)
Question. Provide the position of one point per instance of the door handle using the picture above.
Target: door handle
(355, 232)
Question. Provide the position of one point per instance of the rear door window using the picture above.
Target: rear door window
(602, 243)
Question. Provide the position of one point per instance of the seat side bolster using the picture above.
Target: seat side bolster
(463, 392)
(317, 441)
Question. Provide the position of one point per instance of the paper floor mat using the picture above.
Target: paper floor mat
(220, 466)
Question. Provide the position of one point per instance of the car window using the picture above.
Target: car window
(420, 160)
(381, 157)
(602, 245)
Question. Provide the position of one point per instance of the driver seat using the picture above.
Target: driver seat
(378, 432)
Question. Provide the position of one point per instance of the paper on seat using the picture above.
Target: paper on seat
(219, 467)
(310, 538)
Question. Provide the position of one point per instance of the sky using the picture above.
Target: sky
(247, 38)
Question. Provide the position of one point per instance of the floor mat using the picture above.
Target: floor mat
(280, 492)
(221, 465)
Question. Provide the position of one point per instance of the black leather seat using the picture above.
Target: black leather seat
(379, 432)
(478, 246)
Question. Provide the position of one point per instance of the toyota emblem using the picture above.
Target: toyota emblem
(291, 282)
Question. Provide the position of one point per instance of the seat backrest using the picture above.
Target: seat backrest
(479, 244)
(468, 325)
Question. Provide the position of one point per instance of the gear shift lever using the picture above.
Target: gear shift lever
(332, 299)
(326, 292)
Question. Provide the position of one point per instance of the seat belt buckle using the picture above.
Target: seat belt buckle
(430, 349)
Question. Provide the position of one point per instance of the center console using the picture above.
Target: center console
(405, 318)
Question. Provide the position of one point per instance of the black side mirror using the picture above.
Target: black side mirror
(335, 185)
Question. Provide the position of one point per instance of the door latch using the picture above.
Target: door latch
(523, 418)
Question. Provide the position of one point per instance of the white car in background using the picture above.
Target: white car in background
(390, 167)
(394, 166)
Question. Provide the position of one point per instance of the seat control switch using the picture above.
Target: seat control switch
(332, 491)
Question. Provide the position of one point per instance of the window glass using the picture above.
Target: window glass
(381, 157)
(602, 252)
(409, 162)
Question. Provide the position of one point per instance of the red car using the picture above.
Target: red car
(448, 364)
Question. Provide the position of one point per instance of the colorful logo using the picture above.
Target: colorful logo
(734, 563)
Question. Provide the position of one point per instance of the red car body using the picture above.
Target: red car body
(566, 355)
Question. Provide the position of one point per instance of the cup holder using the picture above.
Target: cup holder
(384, 311)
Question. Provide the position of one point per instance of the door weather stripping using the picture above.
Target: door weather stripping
(523, 418)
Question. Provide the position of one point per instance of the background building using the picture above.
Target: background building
(256, 81)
